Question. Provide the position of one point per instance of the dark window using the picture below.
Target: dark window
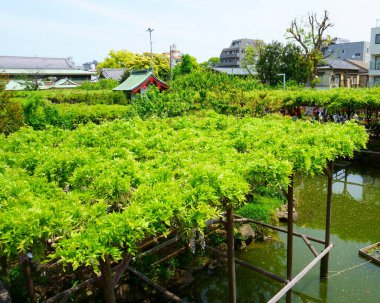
(357, 54)
(377, 39)
(342, 51)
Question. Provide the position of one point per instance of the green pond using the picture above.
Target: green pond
(355, 224)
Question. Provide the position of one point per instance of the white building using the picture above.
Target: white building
(374, 66)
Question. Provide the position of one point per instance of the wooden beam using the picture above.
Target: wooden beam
(289, 246)
(161, 246)
(298, 277)
(250, 266)
(279, 229)
(161, 289)
(231, 255)
(325, 261)
(173, 254)
(313, 250)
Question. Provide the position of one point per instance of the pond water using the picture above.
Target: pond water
(355, 224)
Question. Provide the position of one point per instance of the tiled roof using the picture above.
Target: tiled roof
(338, 64)
(112, 73)
(18, 62)
(359, 64)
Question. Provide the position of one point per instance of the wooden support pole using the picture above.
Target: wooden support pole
(161, 246)
(173, 254)
(231, 256)
(289, 248)
(167, 293)
(106, 280)
(325, 261)
(278, 229)
(250, 266)
(4, 265)
(308, 243)
(121, 269)
(297, 278)
(25, 263)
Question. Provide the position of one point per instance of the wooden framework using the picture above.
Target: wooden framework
(289, 282)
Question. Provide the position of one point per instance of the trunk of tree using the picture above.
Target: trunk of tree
(24, 261)
(4, 265)
(106, 280)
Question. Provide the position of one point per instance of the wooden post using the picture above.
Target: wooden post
(4, 265)
(28, 277)
(231, 256)
(325, 261)
(298, 277)
(289, 250)
(106, 280)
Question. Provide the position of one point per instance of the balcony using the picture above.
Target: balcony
(374, 65)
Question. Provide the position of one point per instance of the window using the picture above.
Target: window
(377, 39)
(342, 51)
(357, 54)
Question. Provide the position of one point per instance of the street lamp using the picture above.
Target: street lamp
(150, 30)
(283, 80)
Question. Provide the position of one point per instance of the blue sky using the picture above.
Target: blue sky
(88, 29)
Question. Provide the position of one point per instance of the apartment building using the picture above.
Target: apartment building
(233, 56)
(374, 65)
(340, 49)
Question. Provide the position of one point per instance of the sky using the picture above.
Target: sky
(87, 30)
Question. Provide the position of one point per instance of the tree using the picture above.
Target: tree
(210, 62)
(11, 114)
(134, 61)
(294, 64)
(310, 36)
(276, 58)
(251, 56)
(269, 63)
(186, 66)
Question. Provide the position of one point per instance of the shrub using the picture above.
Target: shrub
(11, 115)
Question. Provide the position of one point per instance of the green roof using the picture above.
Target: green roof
(136, 79)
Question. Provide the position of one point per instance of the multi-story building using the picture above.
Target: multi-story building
(233, 56)
(374, 65)
(340, 49)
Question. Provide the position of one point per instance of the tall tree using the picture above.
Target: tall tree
(268, 64)
(309, 35)
(133, 61)
(186, 66)
(210, 62)
(251, 55)
(276, 58)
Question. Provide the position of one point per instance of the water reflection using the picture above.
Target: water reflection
(348, 182)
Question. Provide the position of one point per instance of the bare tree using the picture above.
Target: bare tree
(309, 35)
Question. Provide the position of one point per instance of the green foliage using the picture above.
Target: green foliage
(133, 61)
(187, 65)
(261, 208)
(11, 115)
(104, 188)
(210, 62)
(276, 58)
(39, 113)
(252, 53)
(101, 84)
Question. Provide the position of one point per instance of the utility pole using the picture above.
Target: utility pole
(172, 48)
(150, 30)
